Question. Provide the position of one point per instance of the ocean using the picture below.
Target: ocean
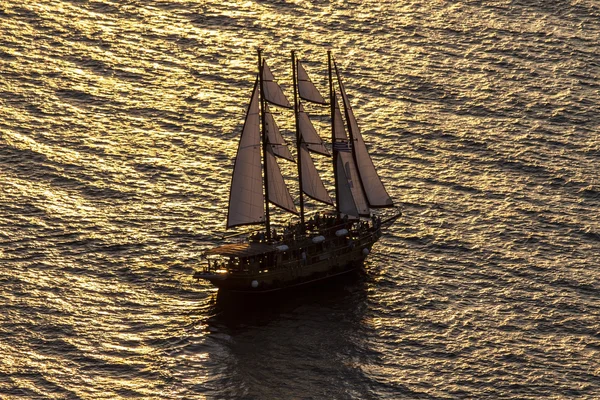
(119, 122)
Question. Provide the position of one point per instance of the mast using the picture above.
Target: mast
(334, 151)
(350, 192)
(372, 185)
(298, 140)
(264, 144)
(350, 130)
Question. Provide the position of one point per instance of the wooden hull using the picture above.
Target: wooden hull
(317, 267)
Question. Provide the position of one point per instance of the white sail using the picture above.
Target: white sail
(306, 89)
(312, 184)
(376, 194)
(278, 191)
(309, 134)
(351, 196)
(338, 122)
(275, 139)
(271, 90)
(346, 205)
(348, 181)
(246, 198)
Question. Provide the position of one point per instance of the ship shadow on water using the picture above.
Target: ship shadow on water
(289, 344)
(237, 309)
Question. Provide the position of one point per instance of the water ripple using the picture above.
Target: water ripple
(118, 131)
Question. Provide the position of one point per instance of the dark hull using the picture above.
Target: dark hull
(334, 262)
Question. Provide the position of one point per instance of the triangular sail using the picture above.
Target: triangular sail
(351, 195)
(246, 198)
(306, 89)
(376, 194)
(309, 134)
(346, 205)
(271, 90)
(275, 139)
(339, 133)
(312, 184)
(278, 191)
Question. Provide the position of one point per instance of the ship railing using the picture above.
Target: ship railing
(314, 256)
(215, 265)
(326, 226)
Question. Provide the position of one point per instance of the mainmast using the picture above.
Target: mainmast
(264, 144)
(298, 140)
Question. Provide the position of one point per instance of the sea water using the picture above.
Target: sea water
(119, 122)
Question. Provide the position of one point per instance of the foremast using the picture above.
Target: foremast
(373, 188)
(333, 122)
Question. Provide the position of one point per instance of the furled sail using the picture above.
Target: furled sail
(312, 184)
(309, 134)
(246, 198)
(271, 90)
(275, 139)
(376, 194)
(306, 89)
(278, 191)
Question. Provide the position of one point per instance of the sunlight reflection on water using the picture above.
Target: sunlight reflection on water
(118, 131)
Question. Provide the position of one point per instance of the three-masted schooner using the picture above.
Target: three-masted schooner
(310, 249)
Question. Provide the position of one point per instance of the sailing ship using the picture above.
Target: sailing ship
(307, 250)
